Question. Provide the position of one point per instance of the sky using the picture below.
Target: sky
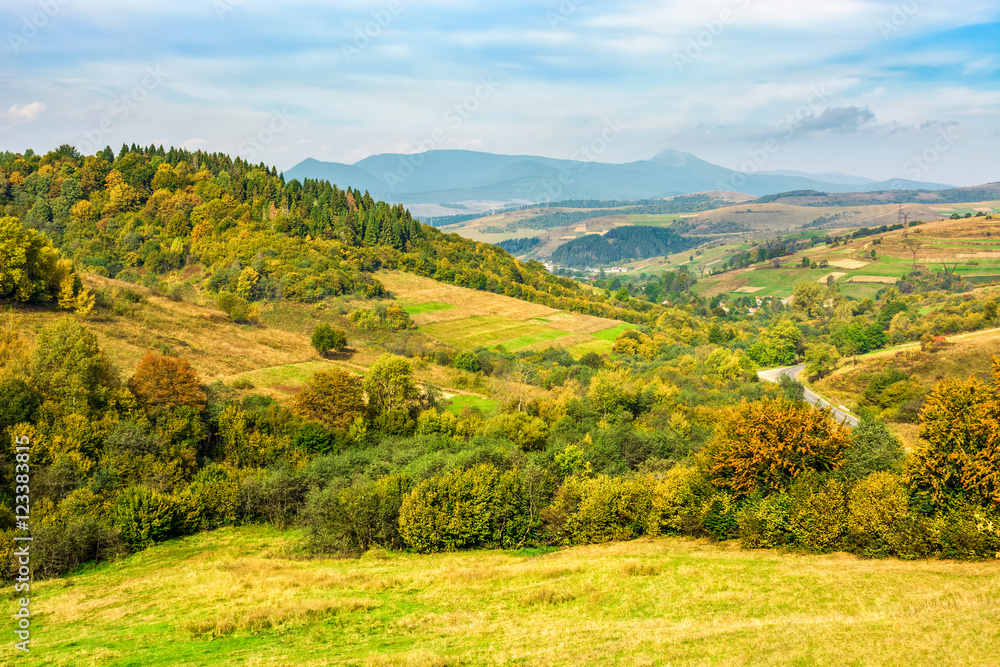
(904, 89)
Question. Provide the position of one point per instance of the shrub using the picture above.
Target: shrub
(326, 338)
(18, 403)
(817, 513)
(763, 522)
(528, 433)
(467, 361)
(873, 448)
(599, 510)
(61, 546)
(217, 493)
(236, 307)
(354, 519)
(165, 382)
(479, 507)
(767, 444)
(332, 398)
(962, 452)
(676, 502)
(143, 516)
(876, 506)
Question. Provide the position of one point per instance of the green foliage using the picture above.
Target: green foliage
(478, 507)
(382, 318)
(143, 516)
(326, 338)
(69, 367)
(874, 449)
(389, 384)
(878, 506)
(528, 433)
(19, 403)
(354, 519)
(467, 361)
(236, 307)
(585, 511)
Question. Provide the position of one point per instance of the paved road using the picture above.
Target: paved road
(774, 375)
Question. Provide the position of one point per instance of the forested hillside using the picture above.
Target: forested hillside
(622, 243)
(147, 213)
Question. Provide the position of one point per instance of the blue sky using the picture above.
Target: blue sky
(905, 89)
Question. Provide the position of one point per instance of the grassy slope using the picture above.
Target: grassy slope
(243, 597)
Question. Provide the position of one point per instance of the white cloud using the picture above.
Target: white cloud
(21, 113)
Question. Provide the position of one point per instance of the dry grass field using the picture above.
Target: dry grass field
(247, 597)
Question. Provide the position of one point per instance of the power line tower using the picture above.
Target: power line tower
(903, 218)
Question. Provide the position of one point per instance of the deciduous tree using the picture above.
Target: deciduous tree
(333, 398)
(164, 382)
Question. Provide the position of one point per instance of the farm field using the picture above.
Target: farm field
(465, 318)
(246, 596)
(969, 246)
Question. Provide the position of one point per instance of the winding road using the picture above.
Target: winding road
(774, 375)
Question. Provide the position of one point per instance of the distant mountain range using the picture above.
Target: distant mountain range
(461, 181)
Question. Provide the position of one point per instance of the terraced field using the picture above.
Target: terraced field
(465, 318)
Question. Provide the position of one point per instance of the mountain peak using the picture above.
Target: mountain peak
(673, 158)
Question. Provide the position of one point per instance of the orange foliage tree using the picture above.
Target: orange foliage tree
(960, 424)
(333, 398)
(164, 382)
(766, 444)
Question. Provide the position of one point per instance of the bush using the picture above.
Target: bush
(18, 403)
(143, 516)
(217, 492)
(763, 522)
(236, 307)
(467, 361)
(876, 507)
(817, 513)
(58, 548)
(479, 507)
(587, 511)
(874, 448)
(326, 338)
(676, 502)
(354, 519)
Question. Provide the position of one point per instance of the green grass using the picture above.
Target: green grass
(287, 375)
(613, 333)
(429, 307)
(459, 401)
(471, 332)
(522, 342)
(246, 597)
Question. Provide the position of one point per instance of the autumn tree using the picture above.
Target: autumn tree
(960, 426)
(162, 381)
(334, 398)
(807, 298)
(821, 358)
(389, 383)
(766, 444)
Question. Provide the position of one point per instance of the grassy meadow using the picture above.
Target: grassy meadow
(245, 596)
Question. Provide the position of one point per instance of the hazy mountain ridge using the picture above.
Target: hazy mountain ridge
(441, 176)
